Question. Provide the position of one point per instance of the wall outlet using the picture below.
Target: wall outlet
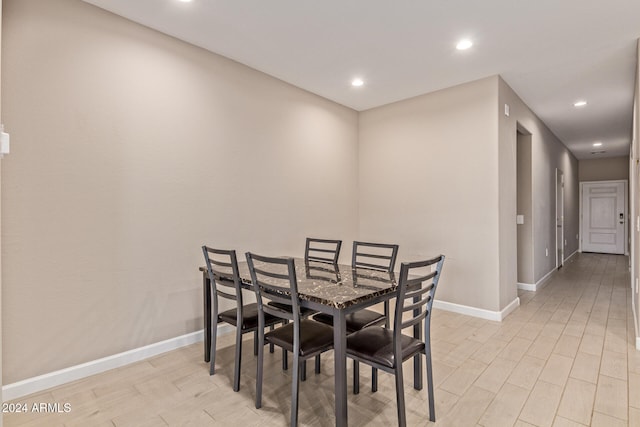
(565, 242)
(546, 251)
(506, 110)
(636, 285)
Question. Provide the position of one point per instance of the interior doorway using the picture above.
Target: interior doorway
(524, 209)
(560, 240)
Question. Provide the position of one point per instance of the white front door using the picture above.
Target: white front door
(604, 217)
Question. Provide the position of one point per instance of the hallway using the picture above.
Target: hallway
(566, 357)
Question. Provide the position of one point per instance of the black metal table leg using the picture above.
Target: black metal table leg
(206, 297)
(340, 371)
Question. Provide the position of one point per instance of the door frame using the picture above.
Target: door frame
(626, 210)
(560, 215)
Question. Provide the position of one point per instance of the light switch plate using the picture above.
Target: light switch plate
(4, 143)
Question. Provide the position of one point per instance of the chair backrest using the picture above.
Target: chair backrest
(416, 289)
(274, 280)
(322, 250)
(377, 256)
(222, 269)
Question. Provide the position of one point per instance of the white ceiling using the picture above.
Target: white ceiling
(551, 52)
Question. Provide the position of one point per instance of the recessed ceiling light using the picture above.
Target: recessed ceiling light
(580, 103)
(357, 82)
(464, 44)
(184, 1)
(597, 144)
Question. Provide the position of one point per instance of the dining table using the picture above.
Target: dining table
(335, 289)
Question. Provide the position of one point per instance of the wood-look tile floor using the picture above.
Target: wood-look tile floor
(565, 357)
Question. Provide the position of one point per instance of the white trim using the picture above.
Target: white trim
(478, 312)
(543, 282)
(635, 321)
(509, 308)
(540, 283)
(560, 260)
(527, 286)
(569, 257)
(53, 379)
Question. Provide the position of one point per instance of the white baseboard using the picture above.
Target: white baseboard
(569, 257)
(478, 312)
(73, 373)
(509, 308)
(543, 282)
(539, 284)
(635, 323)
(527, 286)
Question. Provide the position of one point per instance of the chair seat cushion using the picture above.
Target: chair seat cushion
(249, 317)
(355, 321)
(375, 344)
(315, 337)
(304, 311)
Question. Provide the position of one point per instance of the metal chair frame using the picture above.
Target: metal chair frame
(224, 279)
(285, 295)
(419, 293)
(321, 250)
(361, 257)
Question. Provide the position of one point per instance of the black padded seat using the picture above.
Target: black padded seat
(355, 321)
(249, 317)
(376, 344)
(314, 336)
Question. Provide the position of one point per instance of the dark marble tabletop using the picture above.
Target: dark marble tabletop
(340, 286)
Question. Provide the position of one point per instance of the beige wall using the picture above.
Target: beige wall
(1, 118)
(634, 168)
(609, 168)
(547, 154)
(636, 138)
(429, 181)
(130, 150)
(448, 160)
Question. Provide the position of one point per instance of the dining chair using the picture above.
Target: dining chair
(317, 250)
(322, 250)
(387, 349)
(375, 256)
(274, 279)
(224, 278)
(372, 256)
